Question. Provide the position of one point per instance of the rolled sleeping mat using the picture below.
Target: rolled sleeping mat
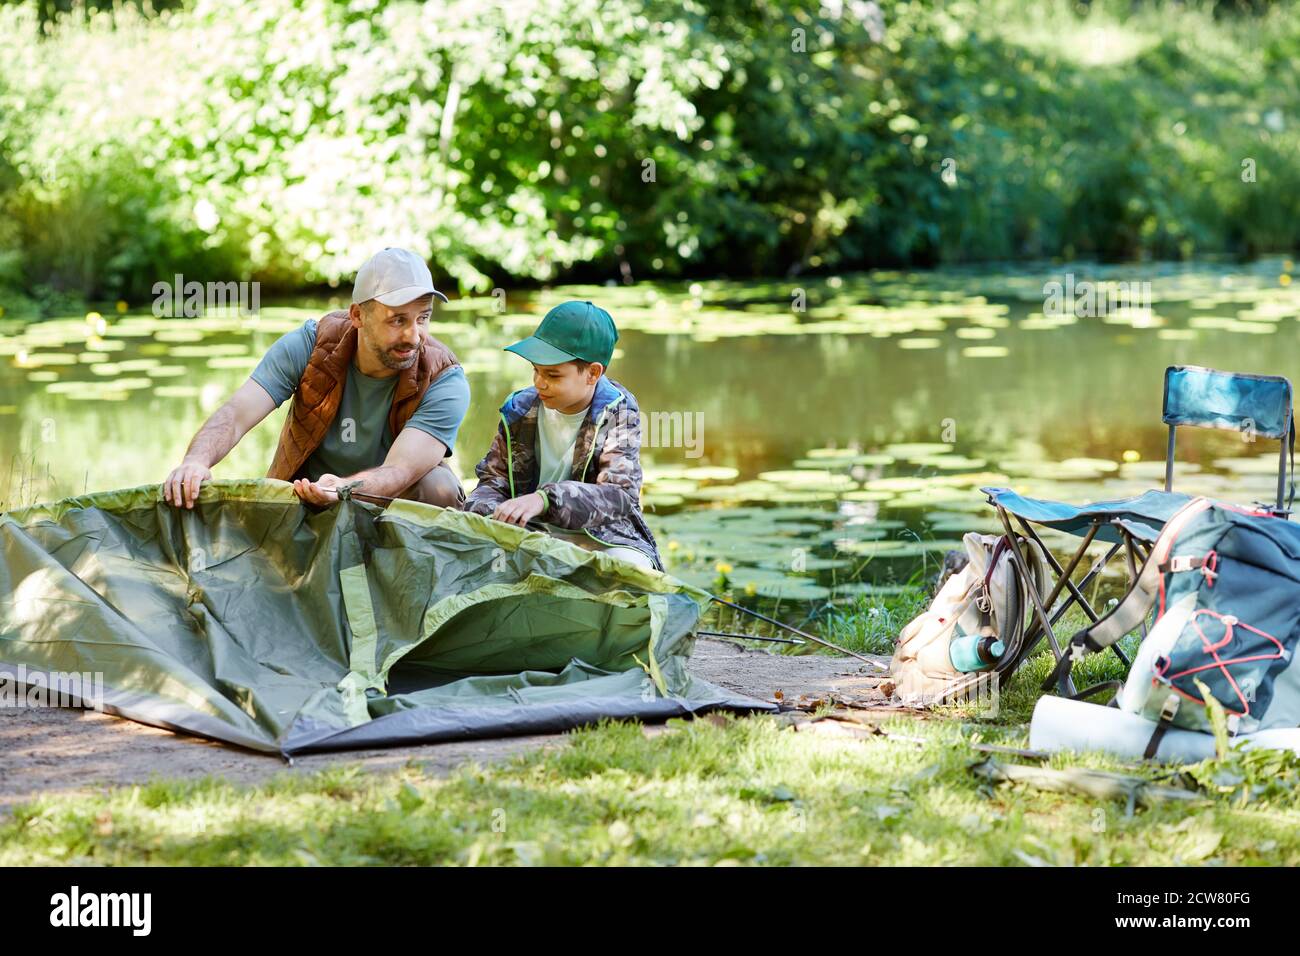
(1062, 724)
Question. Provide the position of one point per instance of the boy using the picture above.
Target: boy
(568, 449)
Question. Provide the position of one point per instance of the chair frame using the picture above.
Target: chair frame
(1047, 612)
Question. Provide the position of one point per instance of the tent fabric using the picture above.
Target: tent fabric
(1142, 515)
(258, 621)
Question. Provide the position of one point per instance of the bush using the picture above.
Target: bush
(286, 140)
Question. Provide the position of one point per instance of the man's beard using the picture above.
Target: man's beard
(391, 359)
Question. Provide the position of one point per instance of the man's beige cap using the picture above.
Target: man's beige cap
(394, 277)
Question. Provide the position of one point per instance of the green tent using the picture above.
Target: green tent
(255, 620)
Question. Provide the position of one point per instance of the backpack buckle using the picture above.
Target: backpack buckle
(1183, 562)
(1169, 708)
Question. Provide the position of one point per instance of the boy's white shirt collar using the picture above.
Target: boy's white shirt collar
(555, 413)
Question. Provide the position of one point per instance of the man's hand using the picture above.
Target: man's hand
(520, 510)
(319, 492)
(220, 433)
(182, 485)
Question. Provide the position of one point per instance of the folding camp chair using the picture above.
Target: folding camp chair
(1260, 405)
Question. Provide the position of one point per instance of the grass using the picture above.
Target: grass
(722, 791)
(737, 791)
(871, 623)
(712, 792)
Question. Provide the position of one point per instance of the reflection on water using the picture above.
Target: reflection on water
(832, 437)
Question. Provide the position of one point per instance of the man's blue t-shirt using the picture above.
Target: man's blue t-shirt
(359, 436)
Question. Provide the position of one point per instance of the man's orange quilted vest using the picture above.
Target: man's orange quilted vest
(319, 393)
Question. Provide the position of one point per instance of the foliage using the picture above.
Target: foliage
(287, 139)
(1256, 776)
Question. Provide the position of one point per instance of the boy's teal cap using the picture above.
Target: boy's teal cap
(571, 330)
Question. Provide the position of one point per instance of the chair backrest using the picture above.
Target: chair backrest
(1260, 405)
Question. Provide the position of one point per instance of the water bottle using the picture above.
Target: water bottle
(974, 652)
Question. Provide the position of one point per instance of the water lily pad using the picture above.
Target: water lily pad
(793, 589)
(1156, 469)
(672, 486)
(743, 491)
(902, 548)
(179, 336)
(949, 462)
(801, 497)
(897, 485)
(42, 359)
(912, 450)
(742, 576)
(208, 351)
(1265, 465)
(711, 473)
(854, 589)
(797, 528)
(1104, 465)
(930, 498)
(804, 477)
(233, 361)
(1051, 470)
(801, 564)
(867, 496)
(653, 500)
(961, 524)
(131, 384)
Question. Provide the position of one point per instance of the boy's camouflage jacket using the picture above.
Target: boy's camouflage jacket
(603, 494)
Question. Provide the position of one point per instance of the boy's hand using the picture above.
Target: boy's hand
(520, 510)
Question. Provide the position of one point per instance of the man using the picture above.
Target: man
(376, 399)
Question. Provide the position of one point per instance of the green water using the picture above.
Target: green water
(805, 486)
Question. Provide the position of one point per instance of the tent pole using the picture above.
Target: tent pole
(750, 637)
(794, 630)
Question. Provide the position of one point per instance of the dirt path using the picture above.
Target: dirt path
(46, 751)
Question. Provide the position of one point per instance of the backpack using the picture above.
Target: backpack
(1225, 584)
(984, 599)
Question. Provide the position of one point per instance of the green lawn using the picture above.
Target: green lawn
(744, 791)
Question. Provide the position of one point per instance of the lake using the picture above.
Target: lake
(814, 439)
